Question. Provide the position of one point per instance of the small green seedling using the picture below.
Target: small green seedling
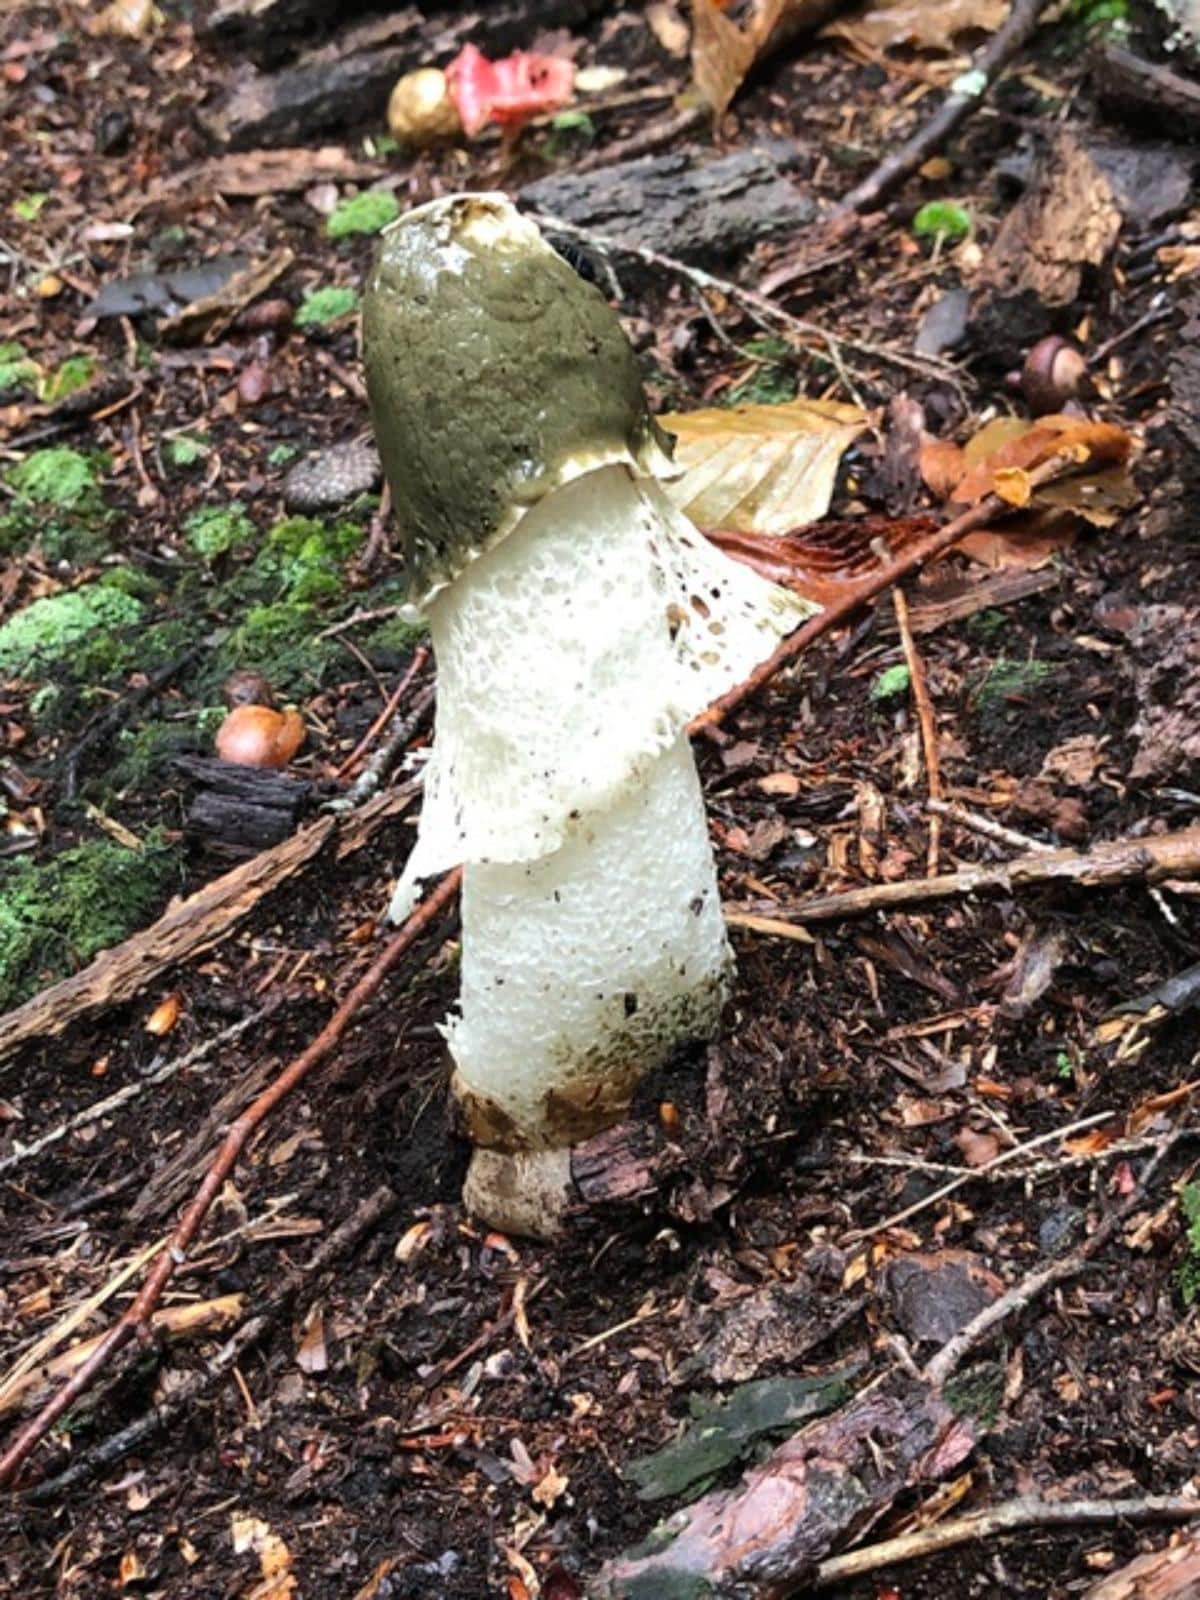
(890, 683)
(942, 219)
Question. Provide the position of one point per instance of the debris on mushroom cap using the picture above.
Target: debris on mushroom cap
(495, 374)
(334, 476)
(509, 91)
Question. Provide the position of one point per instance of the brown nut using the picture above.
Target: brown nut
(248, 688)
(1054, 372)
(257, 736)
(421, 110)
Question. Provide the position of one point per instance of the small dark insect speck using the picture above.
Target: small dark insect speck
(577, 258)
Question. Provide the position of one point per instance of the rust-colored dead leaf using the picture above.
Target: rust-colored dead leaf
(130, 1569)
(823, 561)
(1029, 445)
(164, 1016)
(943, 465)
(895, 24)
(1092, 1143)
(757, 468)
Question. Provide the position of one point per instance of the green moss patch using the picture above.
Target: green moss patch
(55, 916)
(44, 633)
(365, 213)
(215, 530)
(323, 306)
(58, 477)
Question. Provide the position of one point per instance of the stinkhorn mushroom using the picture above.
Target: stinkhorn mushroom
(579, 621)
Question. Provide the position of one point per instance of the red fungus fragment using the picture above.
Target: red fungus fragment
(509, 91)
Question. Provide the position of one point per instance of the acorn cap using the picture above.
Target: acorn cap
(496, 373)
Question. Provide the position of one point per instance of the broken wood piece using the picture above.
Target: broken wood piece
(189, 927)
(244, 809)
(768, 1535)
(1170, 1574)
(1149, 860)
(1027, 1511)
(711, 210)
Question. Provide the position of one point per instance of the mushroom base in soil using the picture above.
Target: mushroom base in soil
(579, 622)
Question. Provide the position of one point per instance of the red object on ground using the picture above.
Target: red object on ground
(508, 91)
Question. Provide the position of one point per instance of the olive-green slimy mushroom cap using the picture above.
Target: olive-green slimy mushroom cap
(496, 373)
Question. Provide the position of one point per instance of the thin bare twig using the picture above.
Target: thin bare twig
(948, 1359)
(925, 719)
(1026, 1511)
(966, 93)
(756, 305)
(415, 666)
(1002, 1160)
(986, 826)
(136, 1318)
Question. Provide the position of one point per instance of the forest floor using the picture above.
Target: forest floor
(437, 1411)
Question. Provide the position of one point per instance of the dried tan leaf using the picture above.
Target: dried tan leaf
(723, 53)
(128, 19)
(891, 24)
(311, 1355)
(757, 468)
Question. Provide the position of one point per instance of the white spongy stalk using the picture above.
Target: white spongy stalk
(570, 656)
(583, 970)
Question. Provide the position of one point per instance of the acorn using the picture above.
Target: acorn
(1054, 372)
(421, 110)
(258, 736)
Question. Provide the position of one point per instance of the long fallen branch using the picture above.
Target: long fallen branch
(136, 1319)
(1152, 859)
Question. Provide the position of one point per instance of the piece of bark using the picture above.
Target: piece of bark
(822, 1487)
(1183, 380)
(1065, 224)
(244, 809)
(619, 1164)
(347, 81)
(934, 1294)
(706, 211)
(1171, 1574)
(1146, 92)
(272, 29)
